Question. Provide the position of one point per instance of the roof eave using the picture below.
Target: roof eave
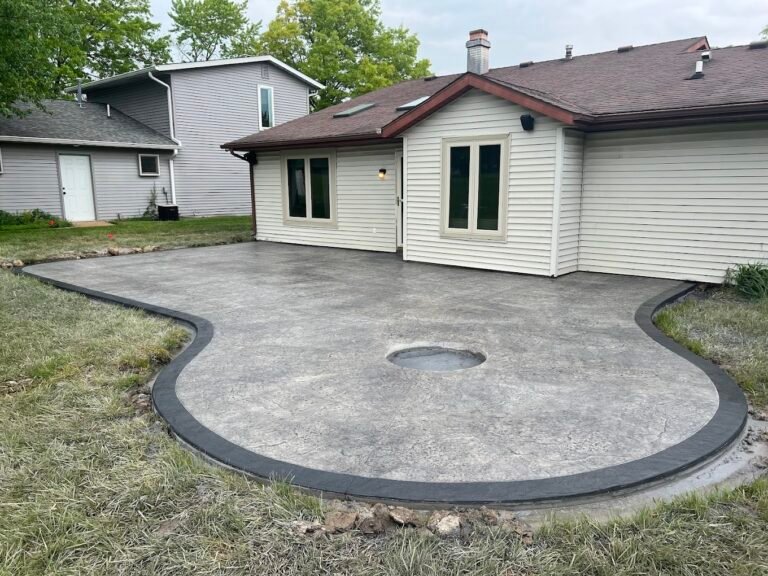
(323, 142)
(95, 143)
(128, 76)
(677, 117)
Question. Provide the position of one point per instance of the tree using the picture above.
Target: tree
(113, 36)
(344, 45)
(206, 29)
(765, 33)
(27, 73)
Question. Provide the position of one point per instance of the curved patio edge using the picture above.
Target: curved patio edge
(715, 436)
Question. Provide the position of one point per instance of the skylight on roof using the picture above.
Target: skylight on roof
(413, 103)
(354, 110)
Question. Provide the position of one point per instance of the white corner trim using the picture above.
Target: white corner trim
(404, 184)
(556, 193)
(95, 143)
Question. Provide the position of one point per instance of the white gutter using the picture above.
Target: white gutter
(172, 128)
(98, 143)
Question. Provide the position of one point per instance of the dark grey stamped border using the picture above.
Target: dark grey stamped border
(722, 430)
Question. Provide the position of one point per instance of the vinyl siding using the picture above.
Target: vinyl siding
(365, 204)
(527, 247)
(216, 105)
(144, 100)
(681, 203)
(30, 180)
(570, 202)
(118, 187)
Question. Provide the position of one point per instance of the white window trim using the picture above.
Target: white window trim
(2, 167)
(307, 155)
(271, 105)
(474, 142)
(149, 174)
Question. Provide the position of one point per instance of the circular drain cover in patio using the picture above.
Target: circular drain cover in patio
(436, 358)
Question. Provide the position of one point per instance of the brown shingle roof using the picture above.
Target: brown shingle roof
(592, 88)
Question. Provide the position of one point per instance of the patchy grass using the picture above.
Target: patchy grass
(88, 485)
(38, 245)
(728, 329)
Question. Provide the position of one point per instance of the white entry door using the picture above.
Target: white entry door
(77, 187)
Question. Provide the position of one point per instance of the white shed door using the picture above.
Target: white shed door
(77, 187)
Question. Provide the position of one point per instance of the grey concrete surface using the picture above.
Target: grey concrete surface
(297, 369)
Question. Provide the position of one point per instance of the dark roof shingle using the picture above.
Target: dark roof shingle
(65, 120)
(645, 79)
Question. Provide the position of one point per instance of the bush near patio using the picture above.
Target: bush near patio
(91, 482)
(31, 219)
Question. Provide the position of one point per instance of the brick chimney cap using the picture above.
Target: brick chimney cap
(479, 33)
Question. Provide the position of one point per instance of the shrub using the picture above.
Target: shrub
(751, 280)
(32, 218)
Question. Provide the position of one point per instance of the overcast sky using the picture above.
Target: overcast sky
(522, 30)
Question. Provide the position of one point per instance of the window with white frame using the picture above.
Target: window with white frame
(1, 160)
(149, 165)
(309, 189)
(474, 187)
(266, 107)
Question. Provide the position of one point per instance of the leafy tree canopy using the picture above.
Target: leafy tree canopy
(206, 29)
(49, 44)
(343, 44)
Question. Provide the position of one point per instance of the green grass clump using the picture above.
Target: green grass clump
(751, 280)
(39, 245)
(730, 330)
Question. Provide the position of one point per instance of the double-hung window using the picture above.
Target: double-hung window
(266, 107)
(474, 187)
(309, 190)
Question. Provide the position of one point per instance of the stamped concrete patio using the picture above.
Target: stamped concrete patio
(295, 380)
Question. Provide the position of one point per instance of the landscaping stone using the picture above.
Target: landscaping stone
(374, 520)
(340, 521)
(18, 263)
(113, 251)
(406, 516)
(445, 524)
(6, 265)
(307, 527)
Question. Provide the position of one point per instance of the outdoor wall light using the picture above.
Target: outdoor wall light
(382, 173)
(527, 121)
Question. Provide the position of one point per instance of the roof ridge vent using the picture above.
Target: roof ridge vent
(526, 64)
(430, 78)
(758, 44)
(626, 48)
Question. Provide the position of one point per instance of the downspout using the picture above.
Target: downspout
(250, 157)
(172, 128)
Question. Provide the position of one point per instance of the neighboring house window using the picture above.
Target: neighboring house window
(149, 165)
(309, 188)
(266, 107)
(474, 187)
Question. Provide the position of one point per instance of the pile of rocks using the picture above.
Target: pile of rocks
(374, 519)
(10, 264)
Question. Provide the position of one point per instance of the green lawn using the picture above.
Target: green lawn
(92, 484)
(38, 245)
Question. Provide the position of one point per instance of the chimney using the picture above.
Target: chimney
(568, 51)
(80, 92)
(478, 48)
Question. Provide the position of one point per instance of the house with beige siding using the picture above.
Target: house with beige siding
(190, 108)
(648, 160)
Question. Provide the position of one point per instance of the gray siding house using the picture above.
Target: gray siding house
(156, 129)
(200, 105)
(83, 163)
